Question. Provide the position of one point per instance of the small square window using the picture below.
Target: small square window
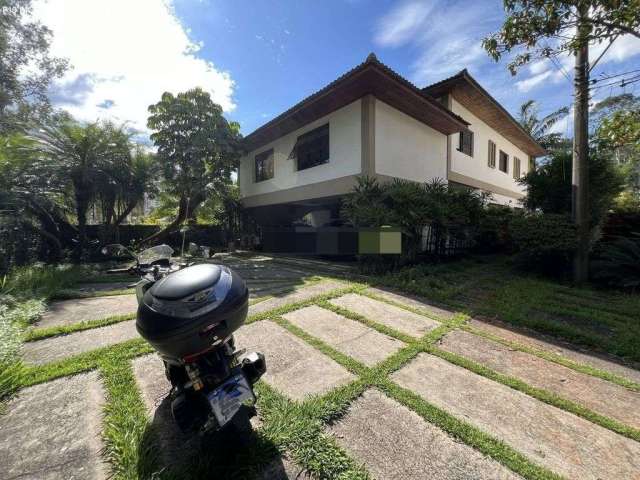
(504, 162)
(465, 142)
(312, 148)
(492, 155)
(264, 166)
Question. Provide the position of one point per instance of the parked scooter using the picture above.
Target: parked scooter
(188, 313)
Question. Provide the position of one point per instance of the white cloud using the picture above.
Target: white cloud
(127, 53)
(401, 24)
(531, 82)
(622, 49)
(447, 34)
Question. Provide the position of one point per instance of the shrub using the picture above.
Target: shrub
(618, 263)
(544, 243)
(494, 230)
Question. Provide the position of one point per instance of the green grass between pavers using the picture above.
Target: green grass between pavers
(294, 427)
(556, 358)
(72, 294)
(23, 296)
(42, 333)
(490, 286)
(538, 393)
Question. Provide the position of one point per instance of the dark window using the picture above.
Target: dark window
(264, 166)
(465, 144)
(492, 155)
(516, 167)
(504, 162)
(312, 148)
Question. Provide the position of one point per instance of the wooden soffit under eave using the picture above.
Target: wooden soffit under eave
(369, 80)
(493, 115)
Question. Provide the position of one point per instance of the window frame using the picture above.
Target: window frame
(491, 159)
(517, 168)
(506, 161)
(462, 144)
(314, 135)
(266, 154)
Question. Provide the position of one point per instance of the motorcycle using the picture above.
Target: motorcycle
(188, 313)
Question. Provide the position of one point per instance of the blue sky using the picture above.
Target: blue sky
(258, 58)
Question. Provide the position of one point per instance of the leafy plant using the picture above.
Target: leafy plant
(618, 264)
(544, 242)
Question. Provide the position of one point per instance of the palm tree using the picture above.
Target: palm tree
(539, 128)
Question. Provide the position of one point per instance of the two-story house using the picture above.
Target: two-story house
(371, 121)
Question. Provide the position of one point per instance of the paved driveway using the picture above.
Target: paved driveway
(429, 392)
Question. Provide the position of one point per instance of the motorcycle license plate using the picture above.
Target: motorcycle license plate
(227, 399)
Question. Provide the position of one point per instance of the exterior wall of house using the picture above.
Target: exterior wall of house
(344, 155)
(406, 148)
(505, 187)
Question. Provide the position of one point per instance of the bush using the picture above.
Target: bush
(544, 243)
(494, 230)
(618, 263)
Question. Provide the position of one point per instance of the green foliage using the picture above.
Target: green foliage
(544, 243)
(618, 263)
(539, 128)
(549, 186)
(530, 23)
(494, 231)
(452, 212)
(26, 65)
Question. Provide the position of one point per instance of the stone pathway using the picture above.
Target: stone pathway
(347, 336)
(389, 315)
(52, 430)
(599, 395)
(78, 310)
(61, 347)
(560, 441)
(397, 444)
(293, 367)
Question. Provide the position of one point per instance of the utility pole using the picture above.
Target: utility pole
(580, 172)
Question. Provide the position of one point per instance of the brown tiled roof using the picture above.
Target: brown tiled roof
(472, 95)
(370, 77)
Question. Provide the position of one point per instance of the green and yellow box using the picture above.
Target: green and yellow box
(376, 241)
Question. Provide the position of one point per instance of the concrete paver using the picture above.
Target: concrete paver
(411, 301)
(293, 366)
(554, 438)
(345, 335)
(300, 295)
(587, 358)
(396, 443)
(67, 312)
(394, 317)
(599, 395)
(52, 431)
(58, 348)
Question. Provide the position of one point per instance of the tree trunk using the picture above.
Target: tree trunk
(185, 209)
(579, 191)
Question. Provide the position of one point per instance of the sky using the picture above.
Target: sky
(258, 58)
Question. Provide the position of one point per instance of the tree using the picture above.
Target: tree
(26, 68)
(549, 186)
(539, 128)
(84, 154)
(570, 26)
(197, 150)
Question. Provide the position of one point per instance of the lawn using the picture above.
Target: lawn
(491, 287)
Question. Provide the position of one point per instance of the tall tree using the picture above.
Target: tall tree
(26, 67)
(539, 128)
(197, 150)
(544, 29)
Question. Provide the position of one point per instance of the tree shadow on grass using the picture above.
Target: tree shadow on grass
(167, 453)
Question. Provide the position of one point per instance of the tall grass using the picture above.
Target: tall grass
(23, 296)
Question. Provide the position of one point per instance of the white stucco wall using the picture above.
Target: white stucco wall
(406, 148)
(477, 166)
(344, 155)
